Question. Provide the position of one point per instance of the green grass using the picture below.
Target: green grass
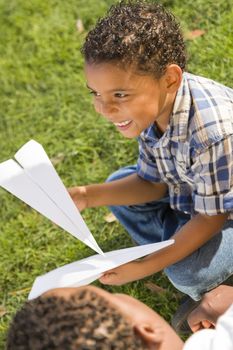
(43, 96)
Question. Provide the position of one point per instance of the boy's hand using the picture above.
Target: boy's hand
(213, 305)
(123, 274)
(79, 196)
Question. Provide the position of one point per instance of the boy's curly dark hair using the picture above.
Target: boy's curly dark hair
(139, 33)
(86, 321)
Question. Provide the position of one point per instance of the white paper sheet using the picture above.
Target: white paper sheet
(35, 181)
(87, 270)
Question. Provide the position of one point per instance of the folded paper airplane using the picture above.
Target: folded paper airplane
(32, 178)
(87, 270)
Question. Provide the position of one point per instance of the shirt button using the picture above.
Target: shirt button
(168, 176)
(176, 190)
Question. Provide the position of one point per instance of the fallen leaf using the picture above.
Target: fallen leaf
(155, 288)
(110, 218)
(194, 34)
(79, 25)
(3, 311)
(20, 291)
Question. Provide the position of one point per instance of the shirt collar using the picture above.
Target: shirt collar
(179, 121)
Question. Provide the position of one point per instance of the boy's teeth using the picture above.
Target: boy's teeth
(123, 123)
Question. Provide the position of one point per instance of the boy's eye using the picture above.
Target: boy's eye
(120, 95)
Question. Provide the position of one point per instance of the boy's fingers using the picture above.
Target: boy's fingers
(70, 190)
(196, 317)
(109, 278)
(195, 327)
(194, 321)
(106, 278)
(200, 325)
(207, 324)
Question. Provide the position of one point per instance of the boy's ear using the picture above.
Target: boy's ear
(150, 335)
(159, 337)
(173, 78)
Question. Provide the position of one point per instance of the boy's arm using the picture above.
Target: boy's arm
(126, 191)
(189, 238)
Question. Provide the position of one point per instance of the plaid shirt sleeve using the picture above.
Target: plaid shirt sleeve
(146, 164)
(213, 176)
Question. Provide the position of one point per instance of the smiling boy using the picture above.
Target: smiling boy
(181, 187)
(124, 97)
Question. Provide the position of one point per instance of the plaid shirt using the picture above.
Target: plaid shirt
(195, 154)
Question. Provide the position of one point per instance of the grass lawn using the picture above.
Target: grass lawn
(43, 96)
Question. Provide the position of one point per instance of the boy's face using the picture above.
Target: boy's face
(132, 102)
(154, 331)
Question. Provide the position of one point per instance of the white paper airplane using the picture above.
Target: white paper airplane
(35, 181)
(32, 178)
(87, 270)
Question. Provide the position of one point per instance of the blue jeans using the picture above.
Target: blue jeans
(156, 221)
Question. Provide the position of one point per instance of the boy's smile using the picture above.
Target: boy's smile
(131, 101)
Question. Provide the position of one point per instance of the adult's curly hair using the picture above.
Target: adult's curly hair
(136, 32)
(85, 321)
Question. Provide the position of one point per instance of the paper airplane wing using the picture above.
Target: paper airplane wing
(33, 158)
(14, 179)
(87, 270)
